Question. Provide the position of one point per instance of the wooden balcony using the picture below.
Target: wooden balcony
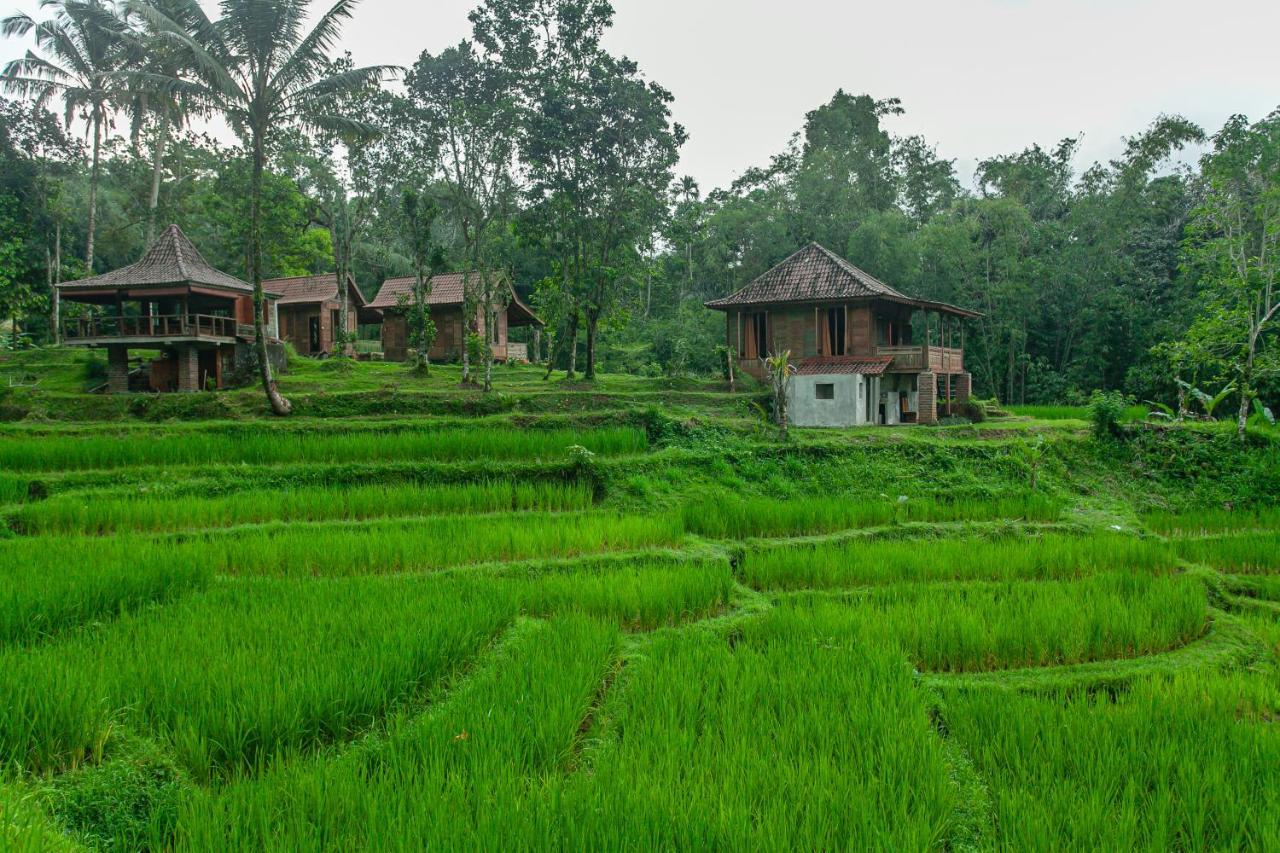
(148, 329)
(933, 358)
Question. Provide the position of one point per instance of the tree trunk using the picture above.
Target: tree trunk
(340, 234)
(56, 306)
(1242, 418)
(553, 353)
(93, 192)
(279, 405)
(488, 365)
(573, 346)
(421, 356)
(157, 168)
(466, 346)
(593, 324)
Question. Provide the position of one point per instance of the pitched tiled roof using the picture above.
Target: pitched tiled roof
(834, 365)
(816, 274)
(811, 274)
(311, 288)
(446, 289)
(171, 259)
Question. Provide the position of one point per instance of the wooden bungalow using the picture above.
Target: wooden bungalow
(446, 306)
(311, 311)
(199, 319)
(863, 352)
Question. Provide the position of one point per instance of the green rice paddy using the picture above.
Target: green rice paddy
(339, 634)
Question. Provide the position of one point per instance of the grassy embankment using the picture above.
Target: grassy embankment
(416, 615)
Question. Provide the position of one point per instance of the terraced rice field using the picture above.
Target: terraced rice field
(341, 639)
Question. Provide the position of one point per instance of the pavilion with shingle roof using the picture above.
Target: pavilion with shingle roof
(172, 301)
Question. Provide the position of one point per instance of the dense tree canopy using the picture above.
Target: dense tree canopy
(542, 156)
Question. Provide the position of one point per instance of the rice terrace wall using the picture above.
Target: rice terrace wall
(549, 626)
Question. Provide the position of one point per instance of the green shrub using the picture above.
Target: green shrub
(123, 801)
(1106, 411)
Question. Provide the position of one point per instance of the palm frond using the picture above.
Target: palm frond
(35, 72)
(18, 24)
(353, 80)
(210, 59)
(311, 57)
(351, 131)
(55, 39)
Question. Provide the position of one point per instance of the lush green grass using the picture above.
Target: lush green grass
(40, 597)
(646, 768)
(98, 513)
(364, 548)
(1214, 520)
(269, 446)
(1009, 558)
(726, 517)
(250, 669)
(1187, 763)
(413, 619)
(234, 676)
(26, 828)
(958, 628)
(512, 724)
(1242, 552)
(13, 489)
(1071, 413)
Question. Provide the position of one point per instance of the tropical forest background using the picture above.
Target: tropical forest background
(535, 150)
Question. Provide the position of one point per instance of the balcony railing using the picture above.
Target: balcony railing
(940, 359)
(153, 326)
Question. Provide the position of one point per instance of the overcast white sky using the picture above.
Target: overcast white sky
(977, 77)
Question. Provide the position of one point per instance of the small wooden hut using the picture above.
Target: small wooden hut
(445, 303)
(311, 311)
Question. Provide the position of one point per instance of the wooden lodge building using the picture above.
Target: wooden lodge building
(445, 303)
(310, 310)
(198, 318)
(857, 357)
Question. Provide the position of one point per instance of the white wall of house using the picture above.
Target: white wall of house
(831, 400)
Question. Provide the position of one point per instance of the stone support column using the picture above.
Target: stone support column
(927, 398)
(188, 368)
(117, 369)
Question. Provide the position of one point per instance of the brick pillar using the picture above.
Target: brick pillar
(188, 368)
(117, 369)
(963, 385)
(927, 398)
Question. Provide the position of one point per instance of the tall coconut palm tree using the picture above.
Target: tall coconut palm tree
(259, 69)
(157, 62)
(84, 54)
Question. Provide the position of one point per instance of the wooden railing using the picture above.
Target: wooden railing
(152, 326)
(940, 359)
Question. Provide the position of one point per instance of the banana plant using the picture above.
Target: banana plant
(780, 372)
(1209, 403)
(1263, 413)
